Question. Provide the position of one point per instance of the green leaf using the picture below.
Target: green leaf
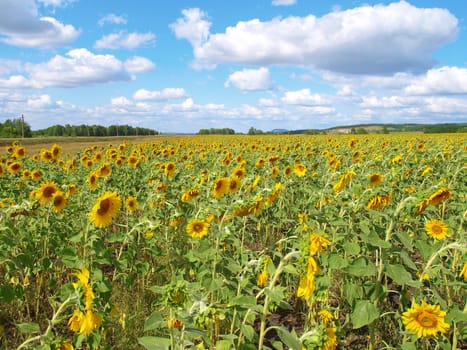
(337, 262)
(399, 274)
(352, 248)
(154, 343)
(352, 292)
(363, 313)
(28, 327)
(154, 321)
(409, 346)
(223, 345)
(244, 301)
(289, 339)
(7, 293)
(70, 258)
(361, 267)
(248, 331)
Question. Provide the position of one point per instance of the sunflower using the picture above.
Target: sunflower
(262, 278)
(55, 151)
(425, 320)
(133, 161)
(169, 170)
(299, 170)
(59, 201)
(197, 228)
(131, 203)
(20, 152)
(379, 201)
(46, 192)
(14, 168)
(428, 170)
(234, 184)
(2, 171)
(436, 229)
(239, 173)
(326, 316)
(190, 195)
(317, 244)
(72, 189)
(105, 209)
(221, 187)
(288, 171)
(46, 155)
(463, 272)
(375, 179)
(92, 181)
(104, 170)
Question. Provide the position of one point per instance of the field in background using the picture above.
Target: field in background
(246, 242)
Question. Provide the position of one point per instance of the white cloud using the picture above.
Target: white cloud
(120, 101)
(283, 2)
(78, 67)
(125, 40)
(380, 39)
(56, 3)
(138, 64)
(444, 80)
(250, 79)
(112, 18)
(303, 97)
(42, 101)
(193, 26)
(164, 95)
(21, 26)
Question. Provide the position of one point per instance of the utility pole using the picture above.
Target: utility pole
(22, 126)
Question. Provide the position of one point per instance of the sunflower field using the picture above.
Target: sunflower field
(236, 242)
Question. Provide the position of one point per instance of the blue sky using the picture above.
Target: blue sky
(180, 66)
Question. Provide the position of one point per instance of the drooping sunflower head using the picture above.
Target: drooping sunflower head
(46, 192)
(104, 170)
(425, 320)
(439, 196)
(105, 209)
(436, 229)
(197, 228)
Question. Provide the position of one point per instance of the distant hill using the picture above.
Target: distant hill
(382, 129)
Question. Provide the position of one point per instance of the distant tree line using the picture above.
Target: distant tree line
(94, 130)
(213, 131)
(445, 128)
(14, 128)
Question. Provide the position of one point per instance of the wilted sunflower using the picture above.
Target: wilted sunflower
(131, 203)
(221, 187)
(425, 320)
(379, 201)
(439, 196)
(197, 228)
(436, 229)
(59, 201)
(189, 195)
(375, 179)
(46, 192)
(105, 209)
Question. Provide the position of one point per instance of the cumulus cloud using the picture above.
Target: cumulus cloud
(42, 101)
(164, 95)
(123, 40)
(379, 39)
(250, 79)
(138, 64)
(79, 67)
(304, 97)
(113, 19)
(444, 80)
(20, 25)
(193, 26)
(120, 101)
(283, 2)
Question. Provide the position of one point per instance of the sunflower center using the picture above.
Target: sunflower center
(48, 192)
(426, 319)
(197, 228)
(104, 207)
(437, 229)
